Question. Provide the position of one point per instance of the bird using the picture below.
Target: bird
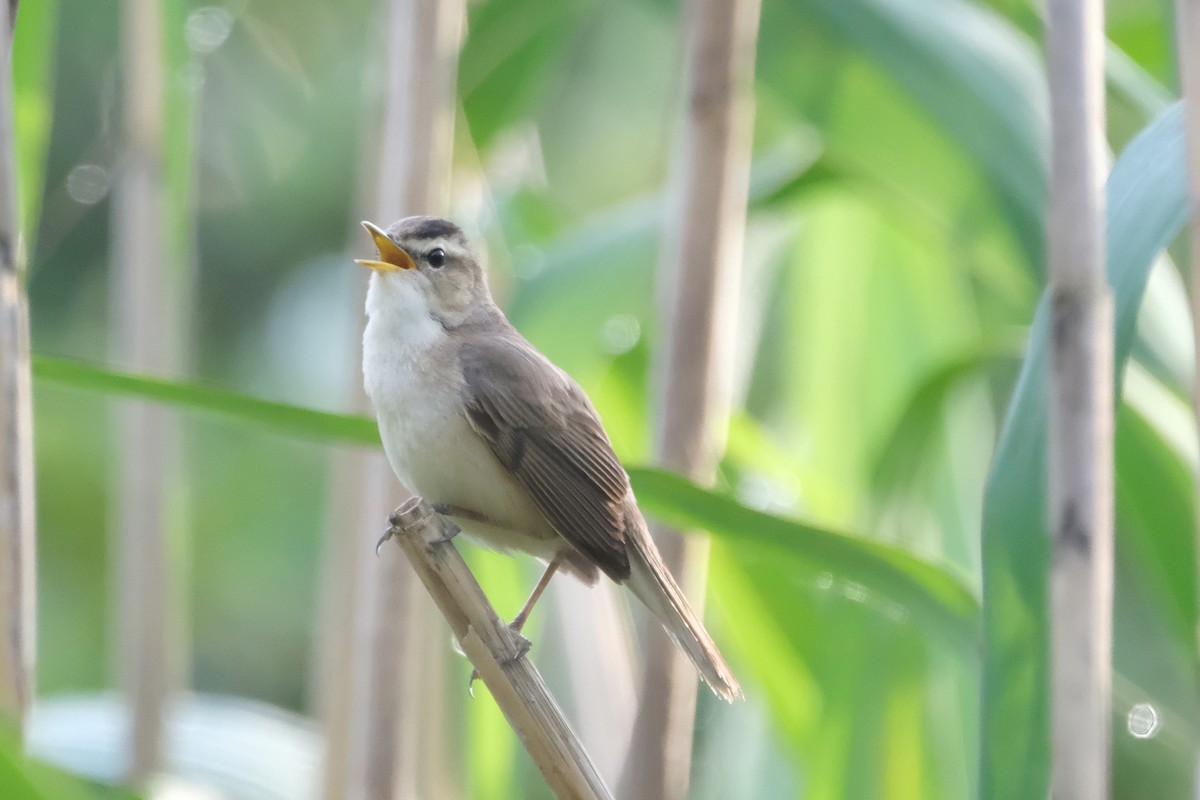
(474, 419)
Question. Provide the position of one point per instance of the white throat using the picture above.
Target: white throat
(400, 331)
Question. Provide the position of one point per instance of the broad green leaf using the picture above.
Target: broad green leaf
(33, 103)
(893, 573)
(22, 778)
(281, 417)
(917, 424)
(925, 589)
(1146, 208)
(13, 780)
(853, 684)
(1128, 80)
(513, 54)
(1154, 613)
(975, 75)
(606, 266)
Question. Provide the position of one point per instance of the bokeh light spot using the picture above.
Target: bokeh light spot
(207, 28)
(621, 333)
(1143, 721)
(87, 184)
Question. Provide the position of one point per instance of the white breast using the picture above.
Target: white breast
(397, 344)
(413, 381)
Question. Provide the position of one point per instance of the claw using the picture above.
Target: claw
(446, 537)
(523, 645)
(382, 539)
(523, 648)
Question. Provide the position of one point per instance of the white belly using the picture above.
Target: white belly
(437, 455)
(434, 451)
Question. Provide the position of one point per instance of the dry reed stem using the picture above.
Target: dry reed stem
(1187, 37)
(496, 651)
(399, 739)
(1080, 415)
(703, 260)
(143, 306)
(17, 535)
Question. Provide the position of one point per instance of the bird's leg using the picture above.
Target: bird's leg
(447, 510)
(523, 615)
(544, 581)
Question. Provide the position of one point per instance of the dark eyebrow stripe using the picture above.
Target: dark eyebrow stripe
(433, 229)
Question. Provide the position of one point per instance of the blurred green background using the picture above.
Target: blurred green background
(894, 258)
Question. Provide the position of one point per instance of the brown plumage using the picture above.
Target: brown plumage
(481, 424)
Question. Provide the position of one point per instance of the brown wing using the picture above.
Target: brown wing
(543, 429)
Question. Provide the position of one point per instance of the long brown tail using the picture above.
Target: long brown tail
(651, 581)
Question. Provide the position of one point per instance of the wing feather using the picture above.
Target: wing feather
(543, 429)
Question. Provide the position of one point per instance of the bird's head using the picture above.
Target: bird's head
(425, 264)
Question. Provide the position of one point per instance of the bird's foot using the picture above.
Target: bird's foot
(398, 522)
(523, 647)
(451, 530)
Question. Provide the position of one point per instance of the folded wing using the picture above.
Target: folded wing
(544, 430)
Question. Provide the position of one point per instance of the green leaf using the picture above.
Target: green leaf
(928, 590)
(13, 780)
(976, 75)
(514, 52)
(904, 578)
(33, 103)
(588, 270)
(179, 152)
(22, 778)
(921, 417)
(1154, 611)
(1146, 209)
(281, 417)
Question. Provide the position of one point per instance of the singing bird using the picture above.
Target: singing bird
(493, 435)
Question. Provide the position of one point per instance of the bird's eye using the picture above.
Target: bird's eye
(436, 258)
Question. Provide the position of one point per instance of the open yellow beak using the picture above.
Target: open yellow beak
(392, 257)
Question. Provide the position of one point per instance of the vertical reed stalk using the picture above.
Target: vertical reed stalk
(398, 738)
(1187, 38)
(147, 331)
(702, 263)
(17, 537)
(1080, 414)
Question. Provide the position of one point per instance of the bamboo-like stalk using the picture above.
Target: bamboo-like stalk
(397, 739)
(703, 265)
(1080, 413)
(333, 677)
(17, 540)
(146, 336)
(357, 499)
(1187, 39)
(414, 178)
(497, 653)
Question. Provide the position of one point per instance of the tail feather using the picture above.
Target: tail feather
(651, 582)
